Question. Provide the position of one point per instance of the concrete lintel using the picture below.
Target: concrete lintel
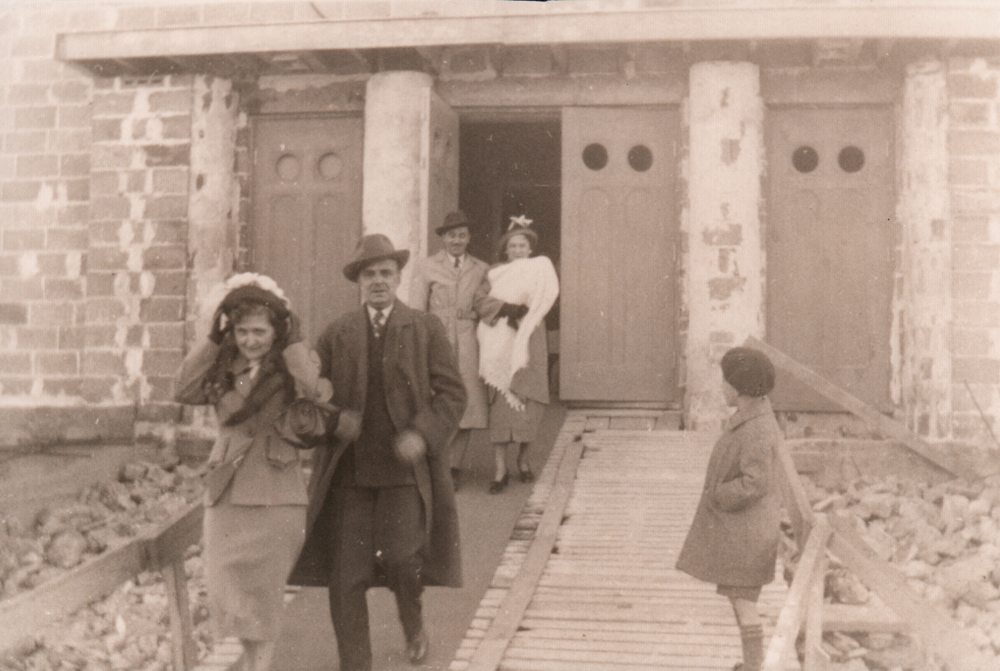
(973, 21)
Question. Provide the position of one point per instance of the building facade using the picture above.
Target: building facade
(824, 176)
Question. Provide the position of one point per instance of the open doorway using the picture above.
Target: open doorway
(511, 169)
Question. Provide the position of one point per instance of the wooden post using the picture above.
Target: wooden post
(815, 657)
(181, 629)
(790, 619)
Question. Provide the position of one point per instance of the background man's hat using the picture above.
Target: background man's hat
(372, 248)
(455, 219)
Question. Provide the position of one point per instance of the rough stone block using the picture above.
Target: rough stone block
(968, 171)
(35, 117)
(979, 370)
(965, 113)
(38, 337)
(168, 232)
(25, 142)
(985, 314)
(167, 207)
(468, 61)
(136, 17)
(74, 165)
(100, 284)
(73, 214)
(20, 239)
(104, 310)
(71, 91)
(162, 154)
(66, 238)
(963, 85)
(37, 165)
(971, 229)
(33, 46)
(72, 337)
(15, 363)
(527, 61)
(971, 286)
(113, 103)
(19, 192)
(136, 181)
(13, 386)
(102, 363)
(75, 116)
(106, 130)
(13, 313)
(161, 363)
(168, 283)
(42, 70)
(593, 61)
(98, 335)
(52, 314)
(112, 207)
(57, 288)
(161, 309)
(78, 190)
(159, 408)
(973, 142)
(170, 180)
(53, 263)
(97, 389)
(176, 127)
(28, 94)
(61, 386)
(104, 183)
(164, 257)
(56, 363)
(106, 258)
(18, 289)
(166, 336)
(110, 157)
(8, 265)
(170, 101)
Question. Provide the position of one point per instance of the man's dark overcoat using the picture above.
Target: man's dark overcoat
(424, 392)
(733, 539)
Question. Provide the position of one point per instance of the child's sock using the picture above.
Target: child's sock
(752, 637)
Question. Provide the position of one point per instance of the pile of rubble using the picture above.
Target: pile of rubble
(129, 629)
(945, 539)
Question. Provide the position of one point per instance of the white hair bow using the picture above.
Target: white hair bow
(521, 220)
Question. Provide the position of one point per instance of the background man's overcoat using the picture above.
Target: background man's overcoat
(733, 539)
(453, 294)
(424, 392)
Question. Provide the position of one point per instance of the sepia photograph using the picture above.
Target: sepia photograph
(500, 335)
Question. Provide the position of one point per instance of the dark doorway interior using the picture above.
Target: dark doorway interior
(510, 169)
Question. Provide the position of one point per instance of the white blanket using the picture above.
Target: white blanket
(502, 351)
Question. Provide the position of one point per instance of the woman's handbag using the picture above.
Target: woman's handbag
(305, 423)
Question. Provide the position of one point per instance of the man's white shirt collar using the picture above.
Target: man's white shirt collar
(386, 311)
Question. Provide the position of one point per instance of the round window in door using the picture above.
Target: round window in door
(805, 159)
(595, 156)
(640, 157)
(851, 159)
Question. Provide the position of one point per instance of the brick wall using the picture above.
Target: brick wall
(974, 179)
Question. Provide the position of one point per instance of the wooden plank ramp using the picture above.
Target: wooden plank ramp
(587, 580)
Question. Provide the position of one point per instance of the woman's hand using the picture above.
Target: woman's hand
(220, 326)
(514, 314)
(348, 426)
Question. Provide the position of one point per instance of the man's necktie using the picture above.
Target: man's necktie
(458, 261)
(378, 323)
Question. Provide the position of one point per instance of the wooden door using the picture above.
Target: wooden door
(829, 263)
(307, 212)
(618, 319)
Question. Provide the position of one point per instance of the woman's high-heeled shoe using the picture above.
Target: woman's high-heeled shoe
(525, 473)
(498, 486)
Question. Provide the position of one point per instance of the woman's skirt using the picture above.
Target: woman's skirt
(249, 552)
(510, 426)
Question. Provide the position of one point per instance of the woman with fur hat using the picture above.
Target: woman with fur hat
(513, 354)
(251, 367)
(733, 540)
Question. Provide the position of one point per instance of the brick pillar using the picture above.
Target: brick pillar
(721, 228)
(974, 181)
(137, 261)
(394, 197)
(923, 299)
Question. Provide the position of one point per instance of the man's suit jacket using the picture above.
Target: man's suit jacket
(424, 392)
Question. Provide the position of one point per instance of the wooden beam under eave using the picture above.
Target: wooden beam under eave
(549, 92)
(570, 27)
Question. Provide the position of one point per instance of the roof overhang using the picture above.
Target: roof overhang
(560, 25)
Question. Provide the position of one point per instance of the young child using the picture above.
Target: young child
(733, 540)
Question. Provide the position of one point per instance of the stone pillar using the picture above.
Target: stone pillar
(394, 194)
(724, 268)
(923, 300)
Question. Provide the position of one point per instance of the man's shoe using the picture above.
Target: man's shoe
(416, 650)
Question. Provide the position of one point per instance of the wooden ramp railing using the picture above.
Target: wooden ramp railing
(818, 534)
(162, 550)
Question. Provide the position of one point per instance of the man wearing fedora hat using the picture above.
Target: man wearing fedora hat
(381, 504)
(452, 285)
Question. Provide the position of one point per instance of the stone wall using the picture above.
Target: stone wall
(974, 181)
